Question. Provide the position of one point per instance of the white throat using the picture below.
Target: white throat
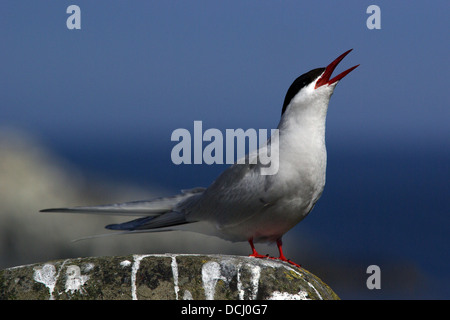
(302, 149)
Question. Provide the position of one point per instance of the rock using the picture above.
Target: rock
(162, 277)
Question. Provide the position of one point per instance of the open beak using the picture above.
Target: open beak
(325, 79)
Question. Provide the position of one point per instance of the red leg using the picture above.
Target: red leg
(282, 257)
(280, 250)
(254, 253)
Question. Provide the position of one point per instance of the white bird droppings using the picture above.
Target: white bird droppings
(175, 276)
(134, 270)
(226, 270)
(125, 263)
(277, 295)
(187, 295)
(317, 292)
(75, 280)
(256, 274)
(210, 276)
(46, 275)
(88, 267)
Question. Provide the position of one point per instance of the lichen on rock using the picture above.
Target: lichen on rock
(163, 277)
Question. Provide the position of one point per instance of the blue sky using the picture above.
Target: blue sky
(152, 65)
(137, 70)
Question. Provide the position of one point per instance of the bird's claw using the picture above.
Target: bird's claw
(260, 256)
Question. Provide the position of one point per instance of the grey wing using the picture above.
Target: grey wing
(238, 194)
(164, 221)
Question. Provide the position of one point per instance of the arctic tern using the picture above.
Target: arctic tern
(242, 204)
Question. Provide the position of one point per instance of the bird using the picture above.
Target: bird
(242, 204)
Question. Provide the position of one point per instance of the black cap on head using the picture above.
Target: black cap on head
(299, 83)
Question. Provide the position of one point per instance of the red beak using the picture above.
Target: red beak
(325, 79)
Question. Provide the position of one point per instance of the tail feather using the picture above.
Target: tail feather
(135, 208)
(157, 215)
(138, 208)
